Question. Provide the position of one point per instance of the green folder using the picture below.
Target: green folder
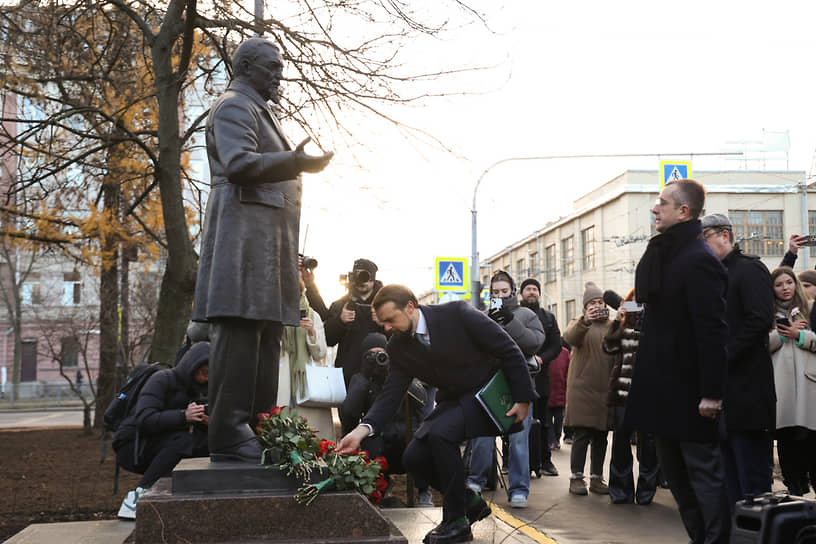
(496, 399)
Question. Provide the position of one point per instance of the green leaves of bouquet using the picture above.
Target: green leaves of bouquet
(288, 442)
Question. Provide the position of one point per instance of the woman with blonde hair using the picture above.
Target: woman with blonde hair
(792, 344)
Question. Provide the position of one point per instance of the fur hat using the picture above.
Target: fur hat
(530, 281)
(808, 276)
(591, 291)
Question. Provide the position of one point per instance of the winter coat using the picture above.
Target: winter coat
(750, 400)
(524, 328)
(794, 367)
(549, 350)
(588, 379)
(621, 341)
(164, 398)
(559, 368)
(249, 250)
(348, 337)
(681, 356)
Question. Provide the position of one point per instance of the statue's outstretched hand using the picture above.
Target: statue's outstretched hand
(311, 163)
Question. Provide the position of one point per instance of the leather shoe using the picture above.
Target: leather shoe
(245, 452)
(478, 511)
(449, 532)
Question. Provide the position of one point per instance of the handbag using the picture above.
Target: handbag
(324, 387)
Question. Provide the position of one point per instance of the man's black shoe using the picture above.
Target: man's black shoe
(449, 532)
(548, 469)
(478, 511)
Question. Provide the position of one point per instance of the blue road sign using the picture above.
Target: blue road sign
(451, 274)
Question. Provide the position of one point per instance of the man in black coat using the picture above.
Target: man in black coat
(457, 349)
(349, 320)
(168, 424)
(750, 399)
(680, 377)
(549, 350)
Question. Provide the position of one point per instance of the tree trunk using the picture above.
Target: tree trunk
(178, 283)
(108, 298)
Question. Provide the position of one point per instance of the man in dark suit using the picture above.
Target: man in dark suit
(750, 398)
(248, 285)
(679, 380)
(457, 349)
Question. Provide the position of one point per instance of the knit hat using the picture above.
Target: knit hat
(808, 276)
(373, 340)
(530, 281)
(368, 266)
(591, 291)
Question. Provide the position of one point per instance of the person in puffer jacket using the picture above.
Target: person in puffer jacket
(621, 340)
(168, 424)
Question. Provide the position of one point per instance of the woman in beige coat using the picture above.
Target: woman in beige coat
(587, 388)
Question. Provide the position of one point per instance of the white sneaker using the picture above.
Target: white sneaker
(425, 499)
(128, 508)
(518, 501)
(476, 488)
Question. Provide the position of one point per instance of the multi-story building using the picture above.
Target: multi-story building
(603, 239)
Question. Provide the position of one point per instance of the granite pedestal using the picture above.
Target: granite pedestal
(235, 502)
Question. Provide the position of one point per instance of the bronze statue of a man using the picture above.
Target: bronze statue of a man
(247, 284)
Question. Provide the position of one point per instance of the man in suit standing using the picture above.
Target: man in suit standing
(457, 349)
(247, 285)
(679, 380)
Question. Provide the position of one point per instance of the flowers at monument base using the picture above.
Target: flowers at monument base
(290, 444)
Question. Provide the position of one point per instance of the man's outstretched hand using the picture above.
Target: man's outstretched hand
(351, 442)
(311, 163)
(519, 410)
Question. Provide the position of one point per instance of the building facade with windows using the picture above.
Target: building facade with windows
(603, 239)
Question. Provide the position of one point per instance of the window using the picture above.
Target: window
(554, 310)
(568, 254)
(30, 292)
(549, 263)
(759, 232)
(520, 270)
(71, 288)
(811, 229)
(532, 264)
(588, 247)
(69, 351)
(569, 310)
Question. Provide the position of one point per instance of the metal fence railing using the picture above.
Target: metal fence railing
(42, 394)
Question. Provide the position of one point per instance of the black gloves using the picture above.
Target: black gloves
(499, 313)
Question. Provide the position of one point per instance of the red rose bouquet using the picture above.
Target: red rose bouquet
(288, 442)
(348, 472)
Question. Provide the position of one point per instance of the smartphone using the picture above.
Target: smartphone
(783, 321)
(810, 239)
(304, 314)
(632, 307)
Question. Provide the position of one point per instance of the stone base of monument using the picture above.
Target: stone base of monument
(226, 502)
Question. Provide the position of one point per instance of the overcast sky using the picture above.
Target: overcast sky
(581, 77)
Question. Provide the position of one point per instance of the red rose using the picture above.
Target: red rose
(276, 411)
(364, 454)
(382, 462)
(263, 416)
(376, 497)
(382, 484)
(325, 447)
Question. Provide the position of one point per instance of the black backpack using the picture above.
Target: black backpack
(123, 405)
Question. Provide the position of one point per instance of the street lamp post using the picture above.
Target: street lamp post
(474, 257)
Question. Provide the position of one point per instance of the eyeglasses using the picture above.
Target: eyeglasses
(714, 231)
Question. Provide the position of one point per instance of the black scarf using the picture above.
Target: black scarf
(649, 272)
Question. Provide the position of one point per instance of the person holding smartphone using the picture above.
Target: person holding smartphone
(587, 388)
(792, 345)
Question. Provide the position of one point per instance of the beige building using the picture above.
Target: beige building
(603, 239)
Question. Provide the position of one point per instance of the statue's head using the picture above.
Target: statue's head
(257, 62)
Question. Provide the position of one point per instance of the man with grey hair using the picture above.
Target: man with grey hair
(749, 407)
(248, 286)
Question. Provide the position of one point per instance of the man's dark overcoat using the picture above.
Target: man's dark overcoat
(750, 399)
(467, 348)
(681, 357)
(248, 264)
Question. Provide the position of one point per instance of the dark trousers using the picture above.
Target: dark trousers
(582, 438)
(159, 455)
(541, 412)
(696, 478)
(433, 456)
(243, 381)
(748, 462)
(621, 478)
(556, 416)
(796, 447)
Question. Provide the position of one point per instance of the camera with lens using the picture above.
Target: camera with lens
(359, 276)
(375, 365)
(307, 263)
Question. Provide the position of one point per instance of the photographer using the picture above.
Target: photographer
(307, 266)
(365, 386)
(350, 318)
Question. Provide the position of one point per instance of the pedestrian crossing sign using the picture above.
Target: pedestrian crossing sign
(451, 274)
(674, 170)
